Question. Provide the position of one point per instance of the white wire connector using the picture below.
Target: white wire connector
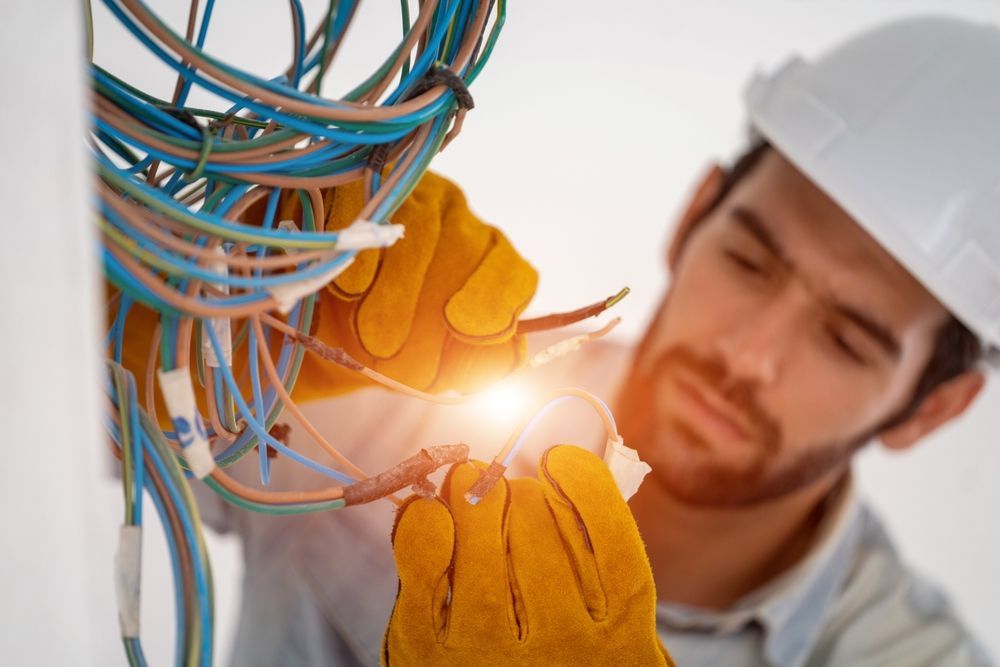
(178, 394)
(128, 570)
(626, 468)
(220, 325)
(288, 295)
(362, 234)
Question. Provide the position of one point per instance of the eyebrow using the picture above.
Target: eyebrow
(752, 223)
(882, 334)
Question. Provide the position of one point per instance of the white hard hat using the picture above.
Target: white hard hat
(901, 127)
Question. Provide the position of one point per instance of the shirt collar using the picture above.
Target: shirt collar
(791, 608)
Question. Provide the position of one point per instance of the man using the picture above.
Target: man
(837, 285)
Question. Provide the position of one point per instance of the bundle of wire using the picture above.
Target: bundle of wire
(173, 181)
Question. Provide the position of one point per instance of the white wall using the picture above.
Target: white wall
(589, 127)
(53, 585)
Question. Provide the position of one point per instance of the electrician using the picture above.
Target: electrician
(839, 284)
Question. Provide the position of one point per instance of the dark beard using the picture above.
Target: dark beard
(687, 468)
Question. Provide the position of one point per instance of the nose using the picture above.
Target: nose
(757, 344)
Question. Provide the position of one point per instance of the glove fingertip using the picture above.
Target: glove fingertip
(423, 537)
(357, 279)
(576, 470)
(486, 308)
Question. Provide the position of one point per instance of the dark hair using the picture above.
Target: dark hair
(956, 349)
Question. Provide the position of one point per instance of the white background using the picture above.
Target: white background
(591, 122)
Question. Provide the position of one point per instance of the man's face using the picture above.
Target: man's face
(787, 338)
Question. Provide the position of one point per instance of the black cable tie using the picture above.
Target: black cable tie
(442, 76)
(378, 157)
(183, 115)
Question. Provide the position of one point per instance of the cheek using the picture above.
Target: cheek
(820, 402)
(700, 305)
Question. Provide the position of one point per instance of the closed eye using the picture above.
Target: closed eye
(744, 262)
(845, 347)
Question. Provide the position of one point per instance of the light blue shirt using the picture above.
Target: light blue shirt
(318, 589)
(851, 601)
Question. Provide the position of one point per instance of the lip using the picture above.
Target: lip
(711, 411)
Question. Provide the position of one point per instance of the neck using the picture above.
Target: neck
(711, 557)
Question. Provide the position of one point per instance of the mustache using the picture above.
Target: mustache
(713, 374)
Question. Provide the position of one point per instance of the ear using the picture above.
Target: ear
(944, 403)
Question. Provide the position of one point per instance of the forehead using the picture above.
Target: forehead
(830, 251)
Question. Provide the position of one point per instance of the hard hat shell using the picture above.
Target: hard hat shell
(901, 127)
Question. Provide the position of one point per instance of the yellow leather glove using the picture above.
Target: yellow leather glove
(549, 572)
(437, 310)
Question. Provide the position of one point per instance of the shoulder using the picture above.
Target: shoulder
(886, 614)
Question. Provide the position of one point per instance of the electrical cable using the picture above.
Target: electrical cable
(192, 210)
(174, 183)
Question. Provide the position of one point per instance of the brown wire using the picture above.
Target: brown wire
(347, 111)
(275, 497)
(557, 320)
(188, 35)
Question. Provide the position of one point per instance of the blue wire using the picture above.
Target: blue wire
(199, 568)
(427, 58)
(194, 270)
(258, 401)
(135, 429)
(140, 165)
(289, 166)
(141, 438)
(174, 183)
(118, 328)
(335, 32)
(259, 430)
(298, 16)
(538, 416)
(206, 16)
(168, 334)
(154, 115)
(117, 273)
(136, 646)
(222, 223)
(264, 463)
(383, 210)
(414, 118)
(180, 616)
(270, 398)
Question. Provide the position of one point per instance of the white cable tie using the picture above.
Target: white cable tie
(362, 234)
(178, 394)
(128, 568)
(288, 226)
(220, 325)
(626, 468)
(288, 294)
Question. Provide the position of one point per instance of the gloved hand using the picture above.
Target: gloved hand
(549, 572)
(437, 310)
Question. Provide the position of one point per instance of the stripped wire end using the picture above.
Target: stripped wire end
(485, 483)
(617, 297)
(412, 471)
(557, 320)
